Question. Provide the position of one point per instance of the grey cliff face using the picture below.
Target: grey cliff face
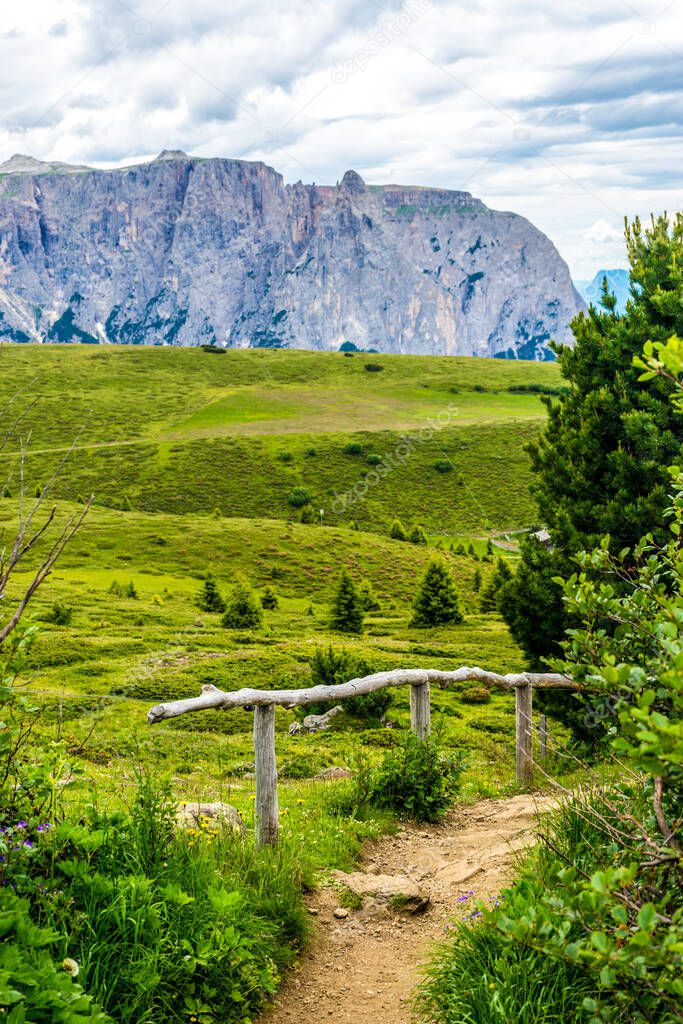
(187, 251)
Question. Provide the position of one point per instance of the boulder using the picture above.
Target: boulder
(399, 890)
(191, 814)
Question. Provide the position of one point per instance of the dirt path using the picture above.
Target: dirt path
(364, 968)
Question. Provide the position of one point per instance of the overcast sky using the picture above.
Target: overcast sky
(567, 113)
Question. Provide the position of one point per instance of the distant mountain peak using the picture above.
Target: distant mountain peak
(352, 182)
(22, 163)
(171, 154)
(618, 282)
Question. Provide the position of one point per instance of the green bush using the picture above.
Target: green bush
(443, 466)
(60, 614)
(353, 448)
(476, 977)
(299, 497)
(417, 779)
(398, 530)
(475, 695)
(269, 599)
(33, 986)
(374, 460)
(368, 597)
(417, 535)
(373, 367)
(330, 667)
(242, 608)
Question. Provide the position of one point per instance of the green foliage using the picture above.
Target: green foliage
(436, 602)
(242, 608)
(347, 607)
(477, 977)
(443, 466)
(368, 598)
(330, 667)
(33, 987)
(417, 535)
(490, 595)
(299, 497)
(476, 582)
(269, 599)
(416, 779)
(476, 695)
(210, 598)
(353, 448)
(60, 614)
(398, 530)
(600, 465)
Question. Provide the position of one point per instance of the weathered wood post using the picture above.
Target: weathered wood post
(420, 710)
(266, 810)
(544, 737)
(523, 711)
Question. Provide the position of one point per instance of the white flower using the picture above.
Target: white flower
(70, 966)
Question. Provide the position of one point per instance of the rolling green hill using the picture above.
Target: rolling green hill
(436, 440)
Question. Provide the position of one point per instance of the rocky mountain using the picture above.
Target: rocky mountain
(618, 282)
(187, 251)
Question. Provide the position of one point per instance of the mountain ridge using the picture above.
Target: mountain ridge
(185, 250)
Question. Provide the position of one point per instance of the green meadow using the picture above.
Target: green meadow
(192, 458)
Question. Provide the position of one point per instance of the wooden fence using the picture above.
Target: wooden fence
(264, 703)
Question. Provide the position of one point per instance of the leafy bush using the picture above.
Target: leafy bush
(374, 367)
(285, 457)
(353, 448)
(60, 614)
(398, 530)
(330, 667)
(368, 597)
(374, 459)
(242, 608)
(269, 599)
(475, 695)
(417, 779)
(34, 987)
(299, 497)
(417, 535)
(443, 466)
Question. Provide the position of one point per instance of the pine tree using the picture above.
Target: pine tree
(368, 597)
(489, 597)
(210, 598)
(600, 466)
(347, 607)
(398, 530)
(436, 602)
(476, 581)
(417, 535)
(243, 609)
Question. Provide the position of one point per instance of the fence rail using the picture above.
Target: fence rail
(264, 703)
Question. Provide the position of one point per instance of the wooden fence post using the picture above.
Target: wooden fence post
(544, 737)
(420, 710)
(523, 711)
(266, 775)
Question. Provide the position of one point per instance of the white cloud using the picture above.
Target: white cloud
(569, 114)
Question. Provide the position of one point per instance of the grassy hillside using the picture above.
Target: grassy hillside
(439, 440)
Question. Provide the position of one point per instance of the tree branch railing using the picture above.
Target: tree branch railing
(264, 703)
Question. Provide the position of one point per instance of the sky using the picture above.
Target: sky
(569, 114)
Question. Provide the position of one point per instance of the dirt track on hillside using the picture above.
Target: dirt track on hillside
(364, 968)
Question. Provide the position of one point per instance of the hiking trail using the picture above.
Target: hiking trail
(364, 967)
